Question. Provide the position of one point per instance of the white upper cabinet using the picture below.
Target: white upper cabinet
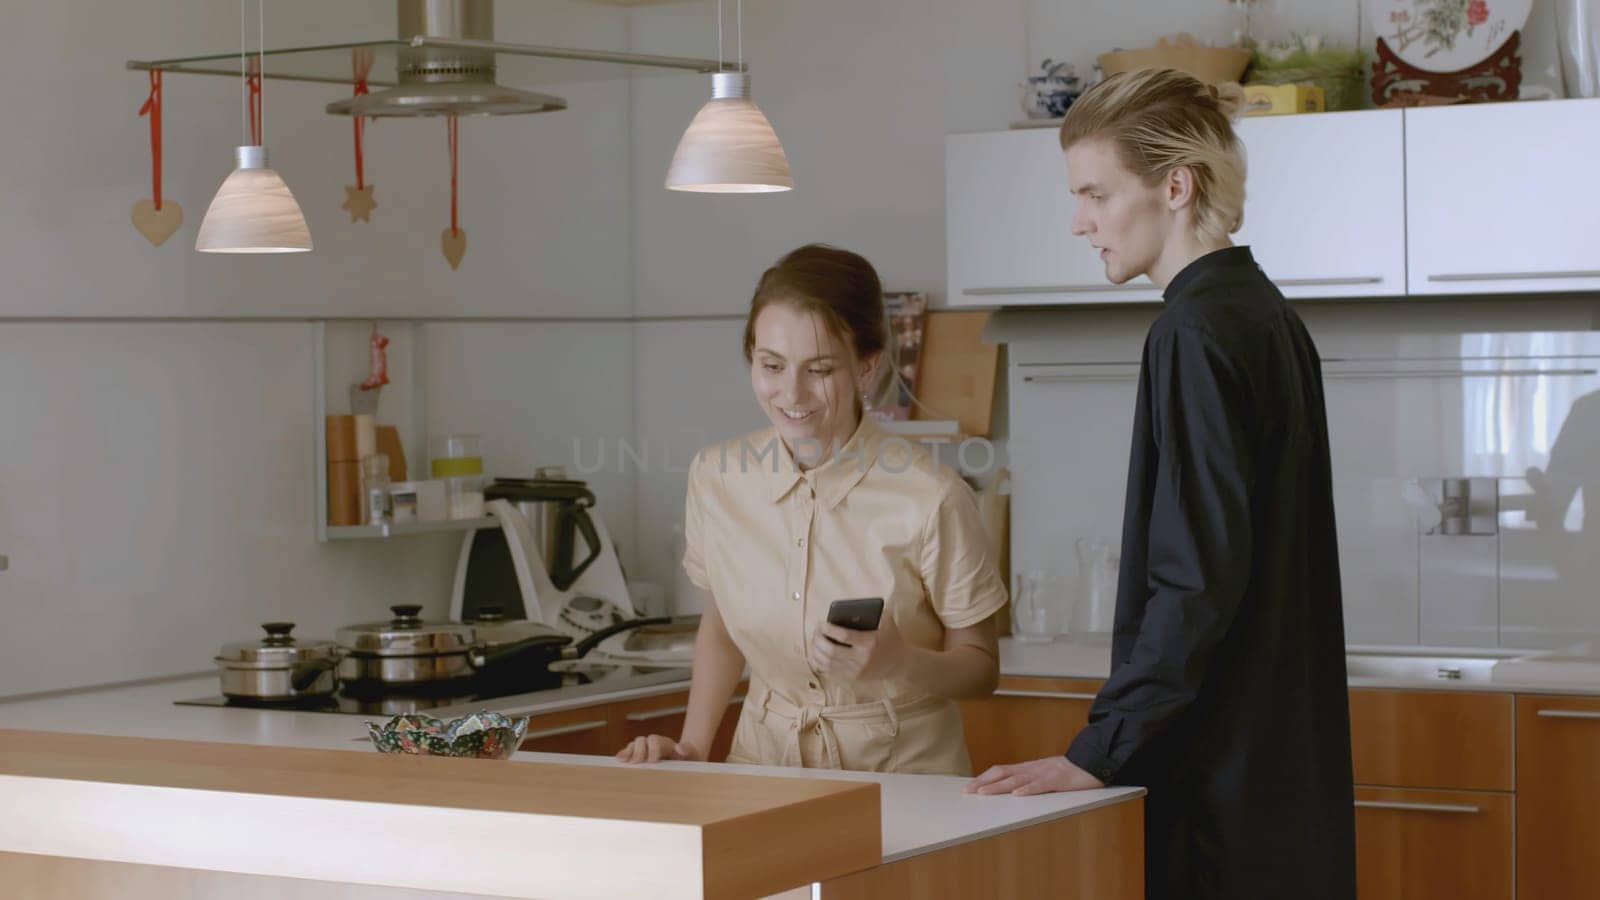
(1325, 213)
(1502, 198)
(1324, 207)
(1008, 226)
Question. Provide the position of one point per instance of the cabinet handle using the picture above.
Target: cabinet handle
(1449, 373)
(1056, 289)
(1568, 714)
(5, 562)
(669, 712)
(1101, 288)
(1044, 695)
(1419, 807)
(1512, 276)
(560, 730)
(1328, 282)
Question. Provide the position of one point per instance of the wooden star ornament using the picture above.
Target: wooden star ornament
(359, 202)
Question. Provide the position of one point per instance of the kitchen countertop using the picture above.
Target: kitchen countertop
(525, 829)
(1090, 659)
(147, 710)
(921, 813)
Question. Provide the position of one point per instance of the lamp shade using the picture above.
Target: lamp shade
(253, 212)
(729, 146)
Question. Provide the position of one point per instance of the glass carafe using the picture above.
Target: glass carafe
(1038, 606)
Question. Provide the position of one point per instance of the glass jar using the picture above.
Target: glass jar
(375, 489)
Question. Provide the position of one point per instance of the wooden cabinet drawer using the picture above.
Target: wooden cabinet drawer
(665, 715)
(1434, 845)
(1558, 797)
(1432, 739)
(1026, 718)
(586, 731)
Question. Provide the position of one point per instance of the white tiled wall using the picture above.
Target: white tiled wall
(692, 388)
(156, 494)
(155, 502)
(1398, 409)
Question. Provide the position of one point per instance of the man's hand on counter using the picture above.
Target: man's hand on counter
(658, 747)
(1040, 776)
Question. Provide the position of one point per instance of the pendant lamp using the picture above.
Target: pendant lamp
(253, 211)
(729, 146)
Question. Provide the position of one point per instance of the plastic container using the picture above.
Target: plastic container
(432, 505)
(458, 462)
(464, 497)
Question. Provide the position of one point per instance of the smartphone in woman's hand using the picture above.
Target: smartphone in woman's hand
(860, 614)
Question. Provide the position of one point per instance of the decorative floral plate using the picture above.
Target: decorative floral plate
(1446, 35)
(482, 735)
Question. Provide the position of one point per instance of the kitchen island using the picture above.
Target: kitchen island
(232, 802)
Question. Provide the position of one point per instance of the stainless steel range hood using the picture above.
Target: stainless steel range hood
(437, 81)
(444, 61)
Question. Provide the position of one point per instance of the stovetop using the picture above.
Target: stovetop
(394, 701)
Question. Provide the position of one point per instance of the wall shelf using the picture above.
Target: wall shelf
(414, 402)
(402, 529)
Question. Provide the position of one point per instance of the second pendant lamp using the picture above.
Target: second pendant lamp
(729, 146)
(253, 211)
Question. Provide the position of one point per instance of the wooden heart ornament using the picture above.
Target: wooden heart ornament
(453, 241)
(157, 224)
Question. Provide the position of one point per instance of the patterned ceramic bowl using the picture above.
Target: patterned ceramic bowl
(482, 735)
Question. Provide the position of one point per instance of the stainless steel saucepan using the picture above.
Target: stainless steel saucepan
(278, 667)
(408, 651)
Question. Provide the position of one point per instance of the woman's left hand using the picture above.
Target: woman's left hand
(857, 654)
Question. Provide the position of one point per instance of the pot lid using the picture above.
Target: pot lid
(277, 649)
(406, 635)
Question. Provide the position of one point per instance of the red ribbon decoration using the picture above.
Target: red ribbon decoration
(450, 126)
(152, 108)
(362, 60)
(253, 80)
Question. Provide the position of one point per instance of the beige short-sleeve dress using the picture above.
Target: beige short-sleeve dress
(775, 546)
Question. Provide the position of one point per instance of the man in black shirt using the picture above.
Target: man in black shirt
(1227, 695)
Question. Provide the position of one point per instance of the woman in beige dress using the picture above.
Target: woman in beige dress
(822, 506)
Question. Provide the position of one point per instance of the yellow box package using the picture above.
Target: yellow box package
(1282, 99)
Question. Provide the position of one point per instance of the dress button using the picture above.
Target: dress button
(800, 542)
(813, 685)
(795, 596)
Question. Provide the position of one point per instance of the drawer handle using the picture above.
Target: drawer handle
(669, 712)
(560, 730)
(1419, 807)
(1130, 375)
(1046, 695)
(1512, 276)
(1568, 714)
(1056, 289)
